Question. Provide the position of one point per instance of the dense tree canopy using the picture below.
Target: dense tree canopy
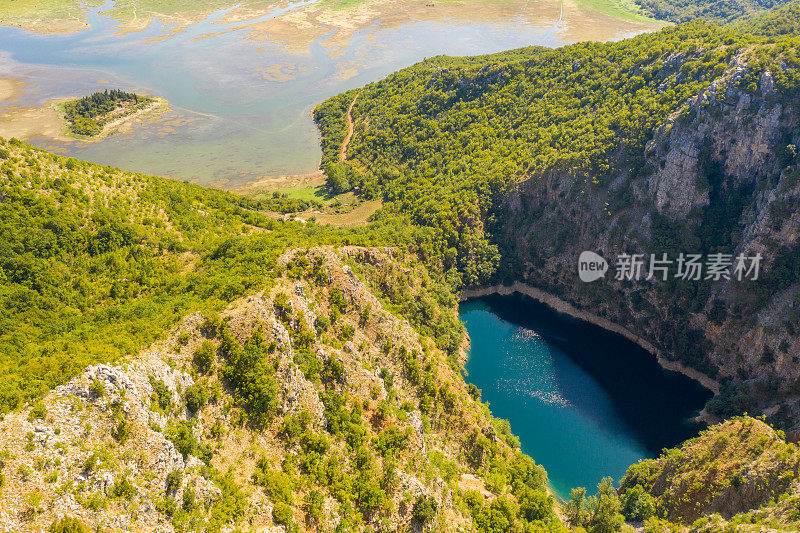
(87, 115)
(441, 141)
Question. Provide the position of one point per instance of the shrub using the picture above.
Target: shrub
(189, 499)
(183, 438)
(123, 489)
(94, 501)
(333, 371)
(203, 359)
(196, 397)
(277, 484)
(161, 396)
(321, 324)
(122, 431)
(97, 388)
(315, 507)
(282, 514)
(424, 510)
(174, 481)
(390, 441)
(68, 524)
(283, 307)
(166, 506)
(24, 472)
(38, 411)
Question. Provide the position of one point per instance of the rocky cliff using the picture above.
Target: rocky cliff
(742, 464)
(719, 176)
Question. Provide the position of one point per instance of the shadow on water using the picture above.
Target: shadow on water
(584, 401)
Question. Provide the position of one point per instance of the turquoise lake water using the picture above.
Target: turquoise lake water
(584, 402)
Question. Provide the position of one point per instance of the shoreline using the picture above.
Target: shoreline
(561, 306)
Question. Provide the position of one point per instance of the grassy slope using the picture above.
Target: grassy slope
(621, 9)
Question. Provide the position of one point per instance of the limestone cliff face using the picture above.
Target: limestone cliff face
(720, 175)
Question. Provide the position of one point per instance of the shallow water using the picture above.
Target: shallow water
(240, 107)
(585, 403)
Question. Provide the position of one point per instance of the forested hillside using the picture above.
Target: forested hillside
(96, 263)
(721, 11)
(330, 398)
(308, 406)
(775, 23)
(442, 139)
(678, 141)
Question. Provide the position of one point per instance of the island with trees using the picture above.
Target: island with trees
(101, 112)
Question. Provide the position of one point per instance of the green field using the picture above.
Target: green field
(621, 9)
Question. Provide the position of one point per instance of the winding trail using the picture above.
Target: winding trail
(343, 150)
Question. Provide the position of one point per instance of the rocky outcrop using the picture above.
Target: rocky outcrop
(739, 466)
(119, 448)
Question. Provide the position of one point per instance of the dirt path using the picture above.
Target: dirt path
(343, 151)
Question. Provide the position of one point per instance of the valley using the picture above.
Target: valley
(294, 298)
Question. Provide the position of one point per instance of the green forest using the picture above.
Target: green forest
(447, 137)
(96, 263)
(721, 11)
(87, 115)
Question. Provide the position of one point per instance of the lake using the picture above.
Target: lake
(586, 403)
(241, 99)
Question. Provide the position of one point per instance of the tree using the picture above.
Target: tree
(336, 180)
(605, 516)
(575, 509)
(315, 507)
(637, 504)
(204, 357)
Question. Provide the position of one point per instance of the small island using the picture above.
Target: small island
(101, 112)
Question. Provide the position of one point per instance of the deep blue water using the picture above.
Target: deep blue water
(585, 403)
